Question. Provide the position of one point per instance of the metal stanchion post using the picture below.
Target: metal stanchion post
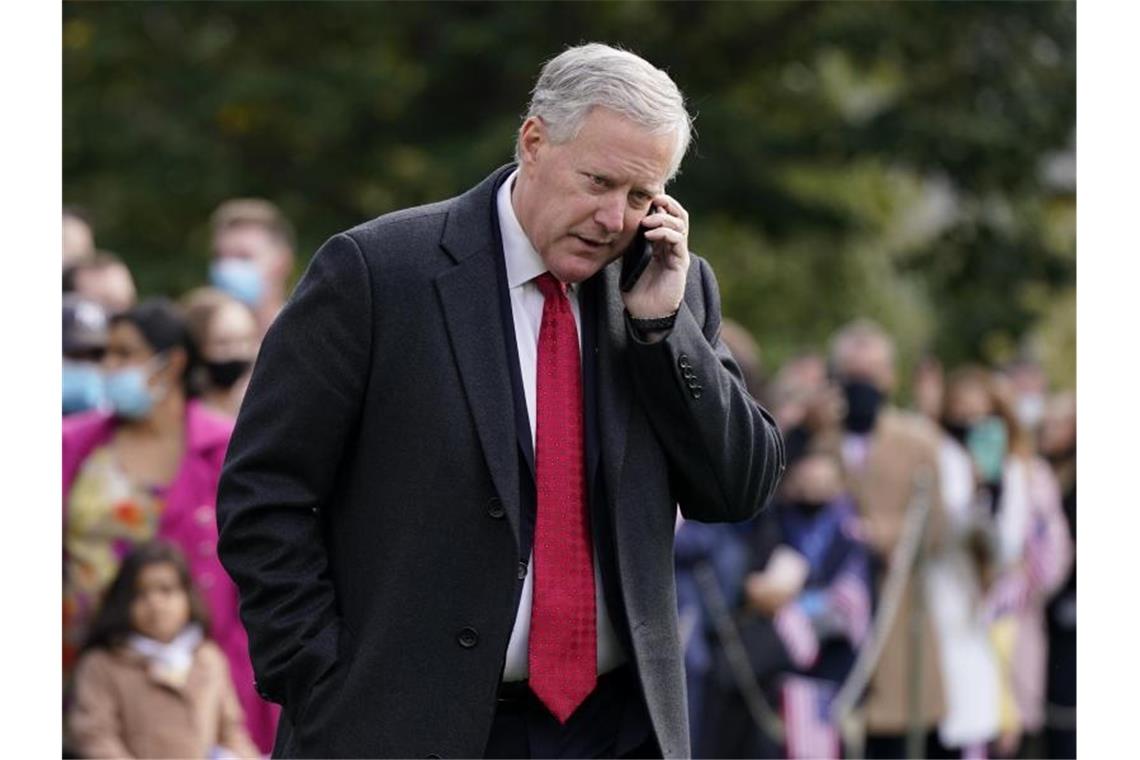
(916, 733)
(741, 667)
(903, 565)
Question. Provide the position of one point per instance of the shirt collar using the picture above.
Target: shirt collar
(523, 262)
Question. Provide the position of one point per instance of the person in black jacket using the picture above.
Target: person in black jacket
(450, 497)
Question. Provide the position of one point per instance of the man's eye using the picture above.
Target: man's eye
(597, 180)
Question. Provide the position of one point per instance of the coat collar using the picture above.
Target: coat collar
(468, 298)
(467, 230)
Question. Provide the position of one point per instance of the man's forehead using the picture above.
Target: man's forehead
(244, 237)
(627, 151)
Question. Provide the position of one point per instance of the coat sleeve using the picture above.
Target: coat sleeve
(93, 720)
(302, 405)
(725, 451)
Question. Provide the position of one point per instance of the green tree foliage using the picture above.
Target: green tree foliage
(904, 161)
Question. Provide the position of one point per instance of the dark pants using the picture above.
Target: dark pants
(611, 722)
(894, 746)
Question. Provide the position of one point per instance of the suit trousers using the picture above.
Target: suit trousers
(611, 722)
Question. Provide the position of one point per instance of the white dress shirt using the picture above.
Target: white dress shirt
(523, 265)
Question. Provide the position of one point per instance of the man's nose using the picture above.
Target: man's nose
(610, 213)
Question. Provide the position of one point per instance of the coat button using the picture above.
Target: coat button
(495, 508)
(522, 570)
(683, 362)
(468, 638)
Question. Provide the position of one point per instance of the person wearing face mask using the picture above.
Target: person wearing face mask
(84, 341)
(227, 335)
(252, 244)
(146, 466)
(886, 452)
(960, 574)
(1024, 556)
(806, 608)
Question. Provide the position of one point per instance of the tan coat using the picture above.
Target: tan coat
(901, 445)
(122, 710)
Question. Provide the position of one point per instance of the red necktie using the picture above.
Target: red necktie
(563, 639)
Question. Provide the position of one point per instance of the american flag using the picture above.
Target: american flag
(808, 731)
(852, 599)
(796, 632)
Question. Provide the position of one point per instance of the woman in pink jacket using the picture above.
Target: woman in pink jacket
(148, 468)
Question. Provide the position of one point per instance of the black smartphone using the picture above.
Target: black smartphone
(636, 258)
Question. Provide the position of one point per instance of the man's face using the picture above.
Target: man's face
(868, 360)
(252, 242)
(580, 202)
(111, 286)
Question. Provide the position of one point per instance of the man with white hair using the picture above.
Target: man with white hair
(449, 500)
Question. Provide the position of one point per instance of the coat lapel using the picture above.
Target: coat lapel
(470, 304)
(614, 389)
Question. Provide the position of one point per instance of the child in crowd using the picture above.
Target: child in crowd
(149, 683)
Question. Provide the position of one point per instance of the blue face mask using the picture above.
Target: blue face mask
(239, 278)
(129, 394)
(82, 386)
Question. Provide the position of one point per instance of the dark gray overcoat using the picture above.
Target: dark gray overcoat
(369, 508)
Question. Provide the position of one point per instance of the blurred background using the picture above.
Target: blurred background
(868, 175)
(910, 161)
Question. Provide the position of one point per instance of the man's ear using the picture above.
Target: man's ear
(532, 136)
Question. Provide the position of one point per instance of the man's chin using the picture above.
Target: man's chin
(581, 265)
(577, 270)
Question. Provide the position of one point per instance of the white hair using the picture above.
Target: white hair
(584, 77)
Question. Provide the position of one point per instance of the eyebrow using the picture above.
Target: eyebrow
(635, 187)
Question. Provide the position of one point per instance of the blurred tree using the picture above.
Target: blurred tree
(895, 160)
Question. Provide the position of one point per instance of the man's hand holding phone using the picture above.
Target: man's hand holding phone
(661, 286)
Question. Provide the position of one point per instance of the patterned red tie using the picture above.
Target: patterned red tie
(563, 641)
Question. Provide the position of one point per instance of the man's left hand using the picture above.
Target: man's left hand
(661, 287)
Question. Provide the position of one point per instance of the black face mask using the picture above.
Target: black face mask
(863, 403)
(225, 374)
(807, 507)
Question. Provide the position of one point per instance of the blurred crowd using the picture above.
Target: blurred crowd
(155, 659)
(911, 592)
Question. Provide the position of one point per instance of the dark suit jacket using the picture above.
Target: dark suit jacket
(370, 509)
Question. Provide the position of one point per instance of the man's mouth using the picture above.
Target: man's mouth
(598, 244)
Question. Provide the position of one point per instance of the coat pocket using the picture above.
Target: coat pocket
(314, 710)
